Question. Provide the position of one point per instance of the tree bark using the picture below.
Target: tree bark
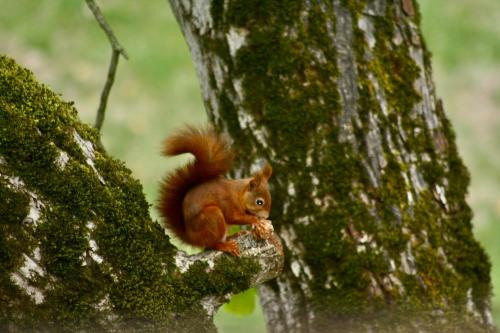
(78, 250)
(368, 187)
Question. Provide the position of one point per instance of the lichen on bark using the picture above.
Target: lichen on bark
(368, 188)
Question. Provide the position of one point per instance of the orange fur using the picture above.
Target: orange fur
(213, 157)
(197, 203)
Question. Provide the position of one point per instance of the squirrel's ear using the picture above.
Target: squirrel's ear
(262, 175)
(254, 183)
(266, 171)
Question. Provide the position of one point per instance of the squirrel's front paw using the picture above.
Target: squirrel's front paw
(263, 229)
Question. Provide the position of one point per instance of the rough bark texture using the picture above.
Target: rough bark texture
(78, 250)
(368, 188)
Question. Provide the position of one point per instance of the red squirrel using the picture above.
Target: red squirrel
(198, 203)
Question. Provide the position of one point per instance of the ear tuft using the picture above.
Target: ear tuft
(266, 171)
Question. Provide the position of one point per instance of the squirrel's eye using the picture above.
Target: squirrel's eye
(259, 202)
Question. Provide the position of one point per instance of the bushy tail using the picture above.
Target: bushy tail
(213, 157)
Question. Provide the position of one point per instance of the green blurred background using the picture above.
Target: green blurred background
(157, 90)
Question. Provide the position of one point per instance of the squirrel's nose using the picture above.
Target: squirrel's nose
(263, 214)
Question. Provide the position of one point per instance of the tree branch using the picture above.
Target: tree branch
(268, 254)
(77, 237)
(117, 50)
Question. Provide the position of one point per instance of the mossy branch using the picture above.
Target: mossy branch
(77, 244)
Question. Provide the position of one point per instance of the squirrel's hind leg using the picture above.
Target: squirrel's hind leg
(208, 229)
(229, 246)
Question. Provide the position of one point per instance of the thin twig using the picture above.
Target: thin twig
(117, 50)
(113, 64)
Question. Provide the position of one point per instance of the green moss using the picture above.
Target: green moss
(258, 13)
(264, 64)
(294, 98)
(469, 257)
(198, 283)
(14, 207)
(396, 72)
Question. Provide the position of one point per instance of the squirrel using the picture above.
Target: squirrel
(198, 203)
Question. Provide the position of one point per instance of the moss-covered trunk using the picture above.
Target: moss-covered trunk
(369, 191)
(78, 250)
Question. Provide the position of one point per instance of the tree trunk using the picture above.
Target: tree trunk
(78, 250)
(368, 188)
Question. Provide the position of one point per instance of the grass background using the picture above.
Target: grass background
(157, 90)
